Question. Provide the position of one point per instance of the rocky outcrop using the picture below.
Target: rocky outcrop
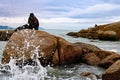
(28, 45)
(102, 32)
(71, 52)
(5, 34)
(56, 49)
(68, 52)
(109, 60)
(96, 57)
(113, 72)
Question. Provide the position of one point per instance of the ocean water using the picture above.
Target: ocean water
(71, 72)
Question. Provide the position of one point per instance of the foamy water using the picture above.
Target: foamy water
(38, 72)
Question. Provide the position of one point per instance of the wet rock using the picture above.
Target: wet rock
(113, 72)
(55, 61)
(5, 34)
(108, 35)
(68, 53)
(71, 52)
(109, 60)
(95, 57)
(91, 58)
(72, 34)
(90, 76)
(30, 44)
(102, 54)
(86, 48)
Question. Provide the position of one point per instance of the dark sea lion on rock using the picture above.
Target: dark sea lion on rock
(26, 26)
(33, 23)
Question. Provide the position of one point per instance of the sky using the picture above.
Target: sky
(60, 14)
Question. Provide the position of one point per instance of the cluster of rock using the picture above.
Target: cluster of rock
(27, 45)
(101, 32)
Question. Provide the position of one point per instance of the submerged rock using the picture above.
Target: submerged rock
(72, 34)
(85, 73)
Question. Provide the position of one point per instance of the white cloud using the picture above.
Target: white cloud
(59, 23)
(60, 11)
(98, 8)
(13, 21)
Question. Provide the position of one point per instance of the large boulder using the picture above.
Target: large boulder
(91, 58)
(67, 52)
(113, 72)
(108, 35)
(86, 48)
(96, 57)
(30, 44)
(109, 60)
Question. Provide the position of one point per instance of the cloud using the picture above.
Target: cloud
(93, 11)
(98, 9)
(60, 23)
(60, 13)
(13, 22)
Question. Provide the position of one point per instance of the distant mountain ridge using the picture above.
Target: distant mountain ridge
(6, 27)
(41, 28)
(10, 28)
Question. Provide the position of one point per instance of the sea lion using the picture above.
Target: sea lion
(33, 23)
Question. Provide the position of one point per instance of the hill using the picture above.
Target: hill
(5, 27)
(41, 28)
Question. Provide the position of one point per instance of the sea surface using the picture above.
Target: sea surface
(71, 72)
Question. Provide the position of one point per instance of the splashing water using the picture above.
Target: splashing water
(12, 72)
(27, 72)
